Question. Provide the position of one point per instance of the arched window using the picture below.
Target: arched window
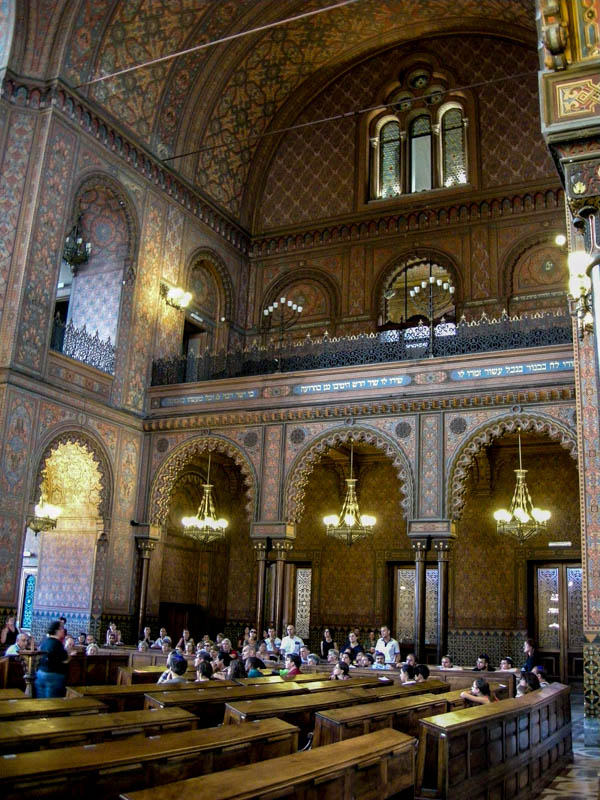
(420, 154)
(454, 153)
(389, 160)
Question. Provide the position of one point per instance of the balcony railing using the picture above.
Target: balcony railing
(77, 343)
(481, 336)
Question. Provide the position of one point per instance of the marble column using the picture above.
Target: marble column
(145, 547)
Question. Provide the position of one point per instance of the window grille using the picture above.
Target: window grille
(454, 162)
(389, 160)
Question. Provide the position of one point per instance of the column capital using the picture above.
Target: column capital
(261, 549)
(145, 546)
(276, 530)
(281, 550)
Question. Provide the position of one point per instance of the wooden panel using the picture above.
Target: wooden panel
(131, 698)
(105, 770)
(26, 735)
(378, 765)
(48, 707)
(501, 750)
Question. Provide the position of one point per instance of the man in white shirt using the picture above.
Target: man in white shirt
(388, 646)
(291, 643)
(20, 644)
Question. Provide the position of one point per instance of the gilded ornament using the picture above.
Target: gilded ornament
(579, 187)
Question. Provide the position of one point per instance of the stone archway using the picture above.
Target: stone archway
(170, 469)
(484, 435)
(305, 461)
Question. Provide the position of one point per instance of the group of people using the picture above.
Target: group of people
(220, 660)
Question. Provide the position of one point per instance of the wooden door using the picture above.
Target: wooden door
(559, 620)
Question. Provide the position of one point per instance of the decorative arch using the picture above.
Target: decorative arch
(219, 272)
(517, 253)
(307, 275)
(168, 472)
(96, 452)
(306, 460)
(485, 434)
(102, 180)
(396, 265)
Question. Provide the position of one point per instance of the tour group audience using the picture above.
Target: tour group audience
(255, 657)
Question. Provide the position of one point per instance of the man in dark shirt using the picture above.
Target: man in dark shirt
(51, 675)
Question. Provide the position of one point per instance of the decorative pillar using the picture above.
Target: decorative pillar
(281, 550)
(442, 548)
(145, 547)
(420, 548)
(261, 552)
(569, 108)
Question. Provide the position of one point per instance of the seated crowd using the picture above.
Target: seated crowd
(251, 656)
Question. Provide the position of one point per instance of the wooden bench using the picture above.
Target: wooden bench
(312, 676)
(25, 735)
(102, 669)
(463, 678)
(12, 694)
(132, 698)
(378, 765)
(103, 771)
(510, 749)
(48, 707)
(401, 714)
(386, 692)
(209, 706)
(129, 675)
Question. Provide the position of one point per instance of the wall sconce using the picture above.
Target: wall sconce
(175, 297)
(580, 290)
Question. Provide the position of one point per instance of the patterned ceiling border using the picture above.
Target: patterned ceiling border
(484, 435)
(545, 199)
(96, 453)
(305, 461)
(170, 469)
(83, 114)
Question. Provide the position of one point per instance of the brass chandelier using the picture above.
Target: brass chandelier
(205, 527)
(522, 520)
(350, 525)
(44, 516)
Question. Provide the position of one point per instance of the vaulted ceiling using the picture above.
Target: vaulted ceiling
(224, 98)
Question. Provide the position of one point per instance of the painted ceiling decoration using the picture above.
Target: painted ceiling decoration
(222, 99)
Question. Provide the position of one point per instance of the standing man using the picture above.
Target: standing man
(291, 643)
(388, 646)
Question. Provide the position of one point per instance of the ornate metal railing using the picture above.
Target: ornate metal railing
(77, 343)
(483, 335)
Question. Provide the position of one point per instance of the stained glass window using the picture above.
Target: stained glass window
(454, 162)
(389, 160)
(420, 154)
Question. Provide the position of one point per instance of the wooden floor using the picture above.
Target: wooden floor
(580, 780)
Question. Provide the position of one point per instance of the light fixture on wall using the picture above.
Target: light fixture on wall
(350, 525)
(205, 527)
(522, 520)
(580, 290)
(175, 296)
(44, 516)
(75, 251)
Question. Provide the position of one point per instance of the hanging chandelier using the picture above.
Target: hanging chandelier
(205, 527)
(523, 519)
(350, 525)
(44, 516)
(75, 250)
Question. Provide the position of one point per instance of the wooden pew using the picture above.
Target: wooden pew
(48, 707)
(310, 676)
(401, 714)
(132, 698)
(103, 771)
(25, 735)
(386, 692)
(377, 765)
(102, 669)
(129, 675)
(464, 677)
(209, 706)
(12, 694)
(510, 749)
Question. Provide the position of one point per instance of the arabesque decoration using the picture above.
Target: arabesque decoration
(170, 470)
(299, 473)
(485, 435)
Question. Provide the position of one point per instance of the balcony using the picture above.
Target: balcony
(446, 340)
(77, 343)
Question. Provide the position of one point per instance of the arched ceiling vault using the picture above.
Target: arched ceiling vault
(232, 92)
